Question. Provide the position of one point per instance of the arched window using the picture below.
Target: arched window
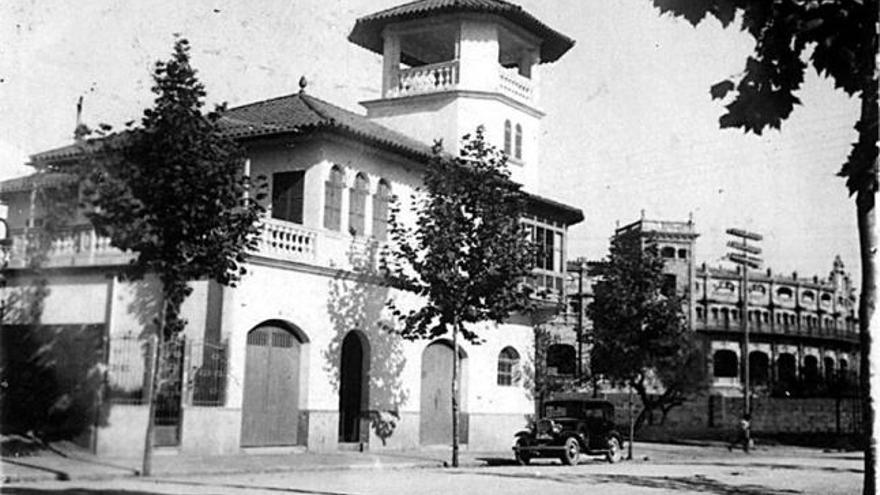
(357, 206)
(507, 137)
(333, 199)
(380, 210)
(561, 359)
(508, 362)
(517, 149)
(725, 364)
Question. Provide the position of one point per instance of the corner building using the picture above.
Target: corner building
(296, 355)
(803, 332)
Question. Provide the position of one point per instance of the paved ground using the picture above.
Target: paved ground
(667, 469)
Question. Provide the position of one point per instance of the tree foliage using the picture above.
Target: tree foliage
(467, 254)
(172, 190)
(640, 337)
(837, 37)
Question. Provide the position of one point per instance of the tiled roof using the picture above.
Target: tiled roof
(302, 113)
(367, 30)
(294, 113)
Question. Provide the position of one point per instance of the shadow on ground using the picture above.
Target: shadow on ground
(668, 484)
(688, 484)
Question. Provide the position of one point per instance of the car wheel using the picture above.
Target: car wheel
(572, 452)
(615, 451)
(522, 457)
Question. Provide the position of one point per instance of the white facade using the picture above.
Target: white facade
(312, 283)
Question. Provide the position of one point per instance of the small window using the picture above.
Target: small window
(683, 254)
(287, 196)
(507, 137)
(517, 150)
(333, 199)
(668, 288)
(784, 293)
(380, 210)
(358, 205)
(508, 362)
(668, 252)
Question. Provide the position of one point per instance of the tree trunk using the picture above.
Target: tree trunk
(153, 391)
(867, 375)
(455, 392)
(866, 217)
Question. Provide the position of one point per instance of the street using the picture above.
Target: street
(680, 470)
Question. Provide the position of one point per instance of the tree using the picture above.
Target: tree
(172, 191)
(466, 255)
(640, 336)
(839, 39)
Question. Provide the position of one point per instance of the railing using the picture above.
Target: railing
(427, 79)
(287, 241)
(73, 246)
(514, 85)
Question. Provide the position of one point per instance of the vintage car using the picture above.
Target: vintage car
(568, 427)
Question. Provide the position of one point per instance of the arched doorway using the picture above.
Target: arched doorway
(811, 372)
(270, 407)
(725, 364)
(435, 418)
(759, 368)
(354, 376)
(786, 371)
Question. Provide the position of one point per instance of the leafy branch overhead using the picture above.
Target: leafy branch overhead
(466, 253)
(836, 37)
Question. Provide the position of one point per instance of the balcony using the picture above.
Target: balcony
(74, 246)
(278, 240)
(431, 78)
(445, 76)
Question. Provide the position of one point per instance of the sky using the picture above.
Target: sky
(629, 123)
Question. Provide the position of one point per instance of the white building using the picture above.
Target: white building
(297, 355)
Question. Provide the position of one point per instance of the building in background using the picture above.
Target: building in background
(803, 331)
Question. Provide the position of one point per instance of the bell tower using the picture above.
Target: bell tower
(452, 65)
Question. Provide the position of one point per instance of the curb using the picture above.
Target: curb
(66, 476)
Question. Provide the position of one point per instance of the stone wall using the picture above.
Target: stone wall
(716, 417)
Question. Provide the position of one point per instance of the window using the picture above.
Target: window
(508, 361)
(517, 149)
(358, 205)
(380, 210)
(560, 359)
(668, 252)
(668, 288)
(507, 140)
(287, 196)
(725, 364)
(333, 199)
(683, 254)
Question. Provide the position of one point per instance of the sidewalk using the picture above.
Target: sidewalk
(49, 466)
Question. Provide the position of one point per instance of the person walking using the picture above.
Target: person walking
(743, 434)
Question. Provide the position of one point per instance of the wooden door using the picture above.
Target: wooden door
(435, 413)
(270, 414)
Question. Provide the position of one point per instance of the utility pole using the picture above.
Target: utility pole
(742, 256)
(580, 319)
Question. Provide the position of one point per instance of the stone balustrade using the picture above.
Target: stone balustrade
(287, 241)
(514, 85)
(427, 79)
